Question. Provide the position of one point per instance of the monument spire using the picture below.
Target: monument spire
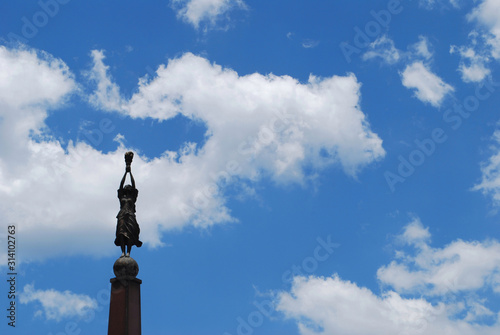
(125, 304)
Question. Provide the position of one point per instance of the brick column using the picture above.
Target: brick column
(125, 305)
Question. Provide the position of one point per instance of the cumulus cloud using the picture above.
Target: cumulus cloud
(331, 305)
(56, 305)
(258, 125)
(323, 306)
(334, 306)
(55, 196)
(429, 88)
(30, 84)
(209, 11)
(287, 118)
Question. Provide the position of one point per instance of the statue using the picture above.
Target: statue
(127, 228)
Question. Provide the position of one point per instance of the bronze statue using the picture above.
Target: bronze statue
(127, 228)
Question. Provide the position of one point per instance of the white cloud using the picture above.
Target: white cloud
(475, 72)
(477, 311)
(415, 233)
(487, 14)
(383, 47)
(460, 266)
(210, 11)
(29, 85)
(57, 305)
(428, 87)
(473, 60)
(257, 126)
(430, 4)
(34, 79)
(332, 305)
(421, 48)
(107, 91)
(490, 183)
(324, 306)
(322, 114)
(45, 191)
(308, 43)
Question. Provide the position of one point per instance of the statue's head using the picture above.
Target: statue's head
(128, 192)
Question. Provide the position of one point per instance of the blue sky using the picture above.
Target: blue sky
(304, 167)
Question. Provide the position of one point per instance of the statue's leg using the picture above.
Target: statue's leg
(122, 246)
(129, 248)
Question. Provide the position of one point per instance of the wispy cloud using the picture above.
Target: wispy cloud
(308, 43)
(422, 48)
(210, 12)
(474, 59)
(383, 47)
(490, 172)
(430, 4)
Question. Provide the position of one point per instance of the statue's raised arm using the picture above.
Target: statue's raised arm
(129, 156)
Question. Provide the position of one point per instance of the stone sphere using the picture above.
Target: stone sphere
(125, 267)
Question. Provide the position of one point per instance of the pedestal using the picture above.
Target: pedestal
(125, 307)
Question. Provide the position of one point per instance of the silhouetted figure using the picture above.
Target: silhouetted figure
(127, 228)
